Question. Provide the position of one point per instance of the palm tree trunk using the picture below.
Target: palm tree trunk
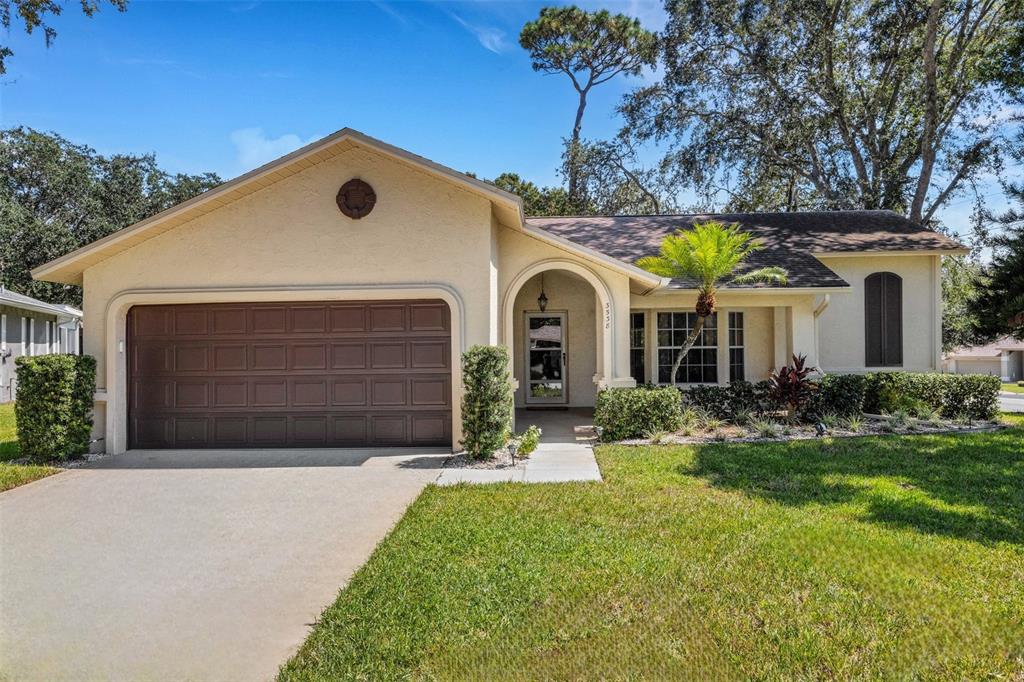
(687, 345)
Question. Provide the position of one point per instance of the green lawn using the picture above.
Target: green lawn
(13, 475)
(869, 557)
(1013, 388)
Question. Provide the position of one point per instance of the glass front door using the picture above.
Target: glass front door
(545, 358)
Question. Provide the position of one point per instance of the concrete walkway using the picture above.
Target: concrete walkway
(565, 452)
(189, 565)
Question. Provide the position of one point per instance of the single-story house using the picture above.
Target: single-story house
(325, 298)
(1003, 358)
(29, 326)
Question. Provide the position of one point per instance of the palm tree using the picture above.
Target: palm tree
(710, 253)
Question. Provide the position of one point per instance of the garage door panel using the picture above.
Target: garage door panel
(231, 357)
(269, 320)
(192, 358)
(387, 318)
(230, 321)
(348, 356)
(387, 355)
(349, 392)
(431, 391)
(276, 375)
(269, 357)
(348, 319)
(429, 354)
(428, 317)
(191, 394)
(309, 393)
(430, 428)
(189, 321)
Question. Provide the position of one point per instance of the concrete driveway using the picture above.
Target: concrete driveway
(189, 565)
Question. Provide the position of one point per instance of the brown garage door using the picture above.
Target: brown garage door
(330, 374)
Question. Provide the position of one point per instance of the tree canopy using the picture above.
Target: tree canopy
(786, 104)
(33, 14)
(56, 196)
(590, 48)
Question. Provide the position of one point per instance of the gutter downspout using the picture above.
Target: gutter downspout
(826, 299)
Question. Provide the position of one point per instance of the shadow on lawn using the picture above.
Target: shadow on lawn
(966, 486)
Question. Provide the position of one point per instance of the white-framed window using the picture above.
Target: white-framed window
(3, 332)
(637, 345)
(700, 366)
(48, 331)
(737, 355)
(30, 343)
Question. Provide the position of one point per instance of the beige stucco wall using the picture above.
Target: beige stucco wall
(522, 254)
(569, 294)
(841, 326)
(290, 237)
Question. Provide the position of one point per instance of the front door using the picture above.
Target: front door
(545, 359)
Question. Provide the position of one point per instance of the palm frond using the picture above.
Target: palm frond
(769, 275)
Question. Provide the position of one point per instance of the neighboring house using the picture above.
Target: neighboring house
(1003, 358)
(324, 299)
(31, 327)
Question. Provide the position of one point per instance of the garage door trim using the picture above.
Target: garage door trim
(111, 398)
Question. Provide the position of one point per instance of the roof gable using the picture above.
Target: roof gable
(68, 269)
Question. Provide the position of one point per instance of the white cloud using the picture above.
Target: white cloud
(254, 148)
(491, 38)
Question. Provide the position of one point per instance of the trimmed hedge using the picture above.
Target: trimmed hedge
(53, 411)
(839, 394)
(969, 396)
(724, 402)
(487, 400)
(634, 412)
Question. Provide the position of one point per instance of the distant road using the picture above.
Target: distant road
(1011, 402)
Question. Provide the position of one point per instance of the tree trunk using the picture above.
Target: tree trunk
(687, 345)
(574, 169)
(931, 113)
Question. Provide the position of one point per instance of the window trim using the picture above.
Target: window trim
(657, 347)
(642, 347)
(742, 347)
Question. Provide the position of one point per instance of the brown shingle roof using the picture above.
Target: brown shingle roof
(789, 239)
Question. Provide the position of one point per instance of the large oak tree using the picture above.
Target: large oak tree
(56, 196)
(787, 104)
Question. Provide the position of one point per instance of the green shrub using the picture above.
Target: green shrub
(528, 441)
(53, 411)
(970, 396)
(839, 394)
(732, 400)
(975, 396)
(634, 412)
(487, 400)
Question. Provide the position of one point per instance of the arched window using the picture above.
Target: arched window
(883, 320)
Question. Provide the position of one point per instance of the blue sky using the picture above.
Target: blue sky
(226, 86)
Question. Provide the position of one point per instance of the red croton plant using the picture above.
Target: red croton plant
(791, 385)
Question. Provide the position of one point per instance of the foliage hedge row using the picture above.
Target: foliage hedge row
(724, 402)
(53, 411)
(487, 400)
(971, 396)
(634, 412)
(839, 394)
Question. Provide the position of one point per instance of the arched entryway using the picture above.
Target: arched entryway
(561, 342)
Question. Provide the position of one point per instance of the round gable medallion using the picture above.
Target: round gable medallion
(356, 199)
